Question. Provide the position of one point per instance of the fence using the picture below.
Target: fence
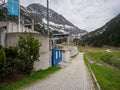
(56, 56)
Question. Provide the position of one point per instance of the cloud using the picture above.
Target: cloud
(86, 14)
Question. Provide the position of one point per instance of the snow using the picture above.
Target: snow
(23, 9)
(44, 20)
(66, 26)
(63, 31)
(57, 25)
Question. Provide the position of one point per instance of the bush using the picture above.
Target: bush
(11, 54)
(106, 58)
(28, 52)
(21, 57)
(111, 59)
(7, 60)
(115, 62)
(4, 70)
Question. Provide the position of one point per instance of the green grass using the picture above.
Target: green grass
(86, 61)
(109, 79)
(111, 58)
(97, 55)
(30, 79)
(73, 56)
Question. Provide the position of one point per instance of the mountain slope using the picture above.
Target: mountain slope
(109, 34)
(39, 13)
(57, 21)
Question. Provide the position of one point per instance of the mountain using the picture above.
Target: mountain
(38, 13)
(57, 21)
(109, 34)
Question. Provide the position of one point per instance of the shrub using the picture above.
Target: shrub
(11, 54)
(115, 62)
(106, 58)
(7, 60)
(4, 70)
(111, 59)
(28, 52)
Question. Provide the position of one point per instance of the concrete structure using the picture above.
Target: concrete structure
(2, 36)
(68, 51)
(65, 55)
(59, 38)
(44, 63)
(73, 50)
(13, 27)
(9, 37)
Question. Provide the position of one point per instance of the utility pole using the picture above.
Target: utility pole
(48, 31)
(19, 28)
(48, 17)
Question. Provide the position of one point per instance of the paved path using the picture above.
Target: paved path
(74, 76)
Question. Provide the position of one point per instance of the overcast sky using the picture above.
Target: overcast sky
(86, 14)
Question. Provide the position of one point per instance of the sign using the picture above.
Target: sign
(13, 7)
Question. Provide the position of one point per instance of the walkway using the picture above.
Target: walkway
(73, 77)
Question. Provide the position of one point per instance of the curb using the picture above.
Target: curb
(96, 82)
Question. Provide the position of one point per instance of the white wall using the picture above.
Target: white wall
(73, 50)
(65, 55)
(45, 58)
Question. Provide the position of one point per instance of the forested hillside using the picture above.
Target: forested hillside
(109, 34)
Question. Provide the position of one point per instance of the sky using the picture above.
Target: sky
(85, 14)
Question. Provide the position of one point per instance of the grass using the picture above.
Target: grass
(108, 78)
(86, 61)
(91, 49)
(96, 55)
(30, 79)
(111, 58)
(73, 56)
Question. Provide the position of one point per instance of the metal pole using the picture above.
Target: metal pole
(48, 30)
(19, 18)
(0, 35)
(48, 17)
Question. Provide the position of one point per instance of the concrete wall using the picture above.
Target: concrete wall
(65, 55)
(2, 36)
(13, 27)
(44, 63)
(73, 50)
(68, 51)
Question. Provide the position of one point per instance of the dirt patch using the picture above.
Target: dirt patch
(12, 78)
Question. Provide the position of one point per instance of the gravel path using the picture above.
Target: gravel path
(74, 76)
